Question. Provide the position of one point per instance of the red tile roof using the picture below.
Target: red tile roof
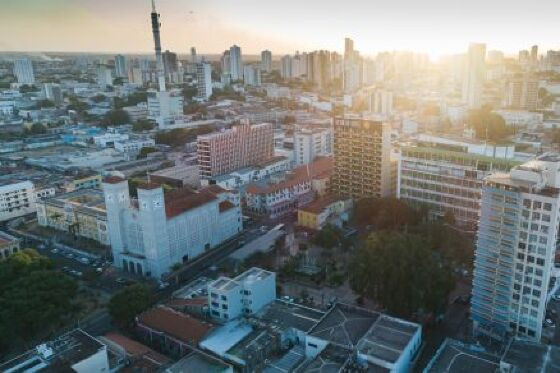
(320, 168)
(181, 302)
(180, 200)
(113, 180)
(226, 205)
(320, 204)
(178, 325)
(134, 348)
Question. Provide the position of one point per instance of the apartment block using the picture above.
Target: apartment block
(17, 198)
(245, 294)
(241, 146)
(447, 175)
(515, 249)
(362, 152)
(311, 142)
(9, 245)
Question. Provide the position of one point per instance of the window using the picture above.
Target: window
(537, 205)
(536, 216)
(548, 206)
(540, 262)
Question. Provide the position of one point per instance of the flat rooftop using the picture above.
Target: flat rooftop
(6, 239)
(286, 315)
(254, 274)
(456, 357)
(198, 362)
(223, 283)
(331, 360)
(387, 338)
(528, 356)
(344, 325)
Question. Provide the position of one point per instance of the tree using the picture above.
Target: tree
(386, 213)
(98, 98)
(401, 272)
(189, 92)
(33, 297)
(115, 118)
(146, 150)
(129, 302)
(180, 136)
(328, 237)
(487, 125)
(142, 125)
(37, 129)
(25, 88)
(45, 104)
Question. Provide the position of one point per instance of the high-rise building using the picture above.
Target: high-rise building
(362, 151)
(474, 75)
(104, 76)
(203, 80)
(521, 93)
(170, 65)
(352, 67)
(121, 69)
(266, 61)
(311, 142)
(157, 46)
(286, 67)
(381, 102)
(515, 249)
(151, 234)
(241, 146)
(193, 55)
(164, 106)
(252, 75)
(53, 92)
(235, 63)
(447, 174)
(534, 55)
(23, 70)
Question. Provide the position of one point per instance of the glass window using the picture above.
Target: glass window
(537, 205)
(548, 206)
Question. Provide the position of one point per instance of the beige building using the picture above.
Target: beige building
(81, 212)
(241, 146)
(8, 245)
(362, 152)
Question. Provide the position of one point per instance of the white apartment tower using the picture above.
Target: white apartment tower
(235, 63)
(23, 70)
(474, 75)
(310, 143)
(266, 61)
(204, 80)
(121, 69)
(515, 249)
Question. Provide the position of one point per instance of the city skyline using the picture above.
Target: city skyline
(121, 27)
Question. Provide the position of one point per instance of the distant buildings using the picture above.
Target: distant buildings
(474, 75)
(53, 92)
(9, 245)
(446, 175)
(311, 142)
(151, 234)
(241, 146)
(244, 295)
(362, 165)
(121, 68)
(252, 75)
(266, 61)
(235, 63)
(23, 71)
(521, 93)
(203, 81)
(381, 102)
(515, 249)
(164, 106)
(104, 77)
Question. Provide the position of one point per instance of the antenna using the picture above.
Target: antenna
(153, 6)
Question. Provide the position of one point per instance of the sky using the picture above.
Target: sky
(436, 27)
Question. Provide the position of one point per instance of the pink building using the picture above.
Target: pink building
(241, 146)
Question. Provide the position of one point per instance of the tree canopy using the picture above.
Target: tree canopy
(129, 302)
(33, 297)
(142, 125)
(386, 213)
(180, 136)
(487, 125)
(115, 118)
(400, 271)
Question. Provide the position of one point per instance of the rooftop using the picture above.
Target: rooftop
(6, 239)
(175, 324)
(527, 356)
(456, 357)
(224, 283)
(344, 325)
(286, 315)
(92, 199)
(180, 200)
(198, 362)
(134, 348)
(253, 275)
(321, 204)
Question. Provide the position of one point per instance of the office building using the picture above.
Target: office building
(80, 213)
(534, 55)
(241, 146)
(311, 142)
(23, 71)
(53, 92)
(266, 61)
(121, 66)
(474, 75)
(170, 65)
(150, 234)
(362, 151)
(447, 175)
(203, 81)
(194, 58)
(235, 63)
(515, 249)
(245, 294)
(522, 93)
(252, 75)
(9, 245)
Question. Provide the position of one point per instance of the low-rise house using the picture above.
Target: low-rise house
(329, 209)
(9, 245)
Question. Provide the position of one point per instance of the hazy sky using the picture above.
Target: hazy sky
(433, 26)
